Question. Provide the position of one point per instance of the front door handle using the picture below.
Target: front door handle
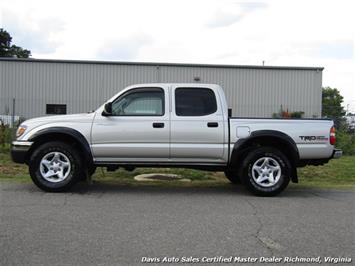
(212, 124)
(158, 125)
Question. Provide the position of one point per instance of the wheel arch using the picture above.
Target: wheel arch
(64, 134)
(272, 138)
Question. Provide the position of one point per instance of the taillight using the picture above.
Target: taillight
(332, 138)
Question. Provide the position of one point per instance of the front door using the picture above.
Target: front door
(137, 130)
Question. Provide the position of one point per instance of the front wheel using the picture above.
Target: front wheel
(55, 166)
(266, 171)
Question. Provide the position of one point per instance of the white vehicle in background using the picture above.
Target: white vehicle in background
(172, 125)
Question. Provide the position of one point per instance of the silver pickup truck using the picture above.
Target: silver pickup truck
(172, 125)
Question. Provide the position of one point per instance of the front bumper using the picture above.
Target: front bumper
(337, 153)
(19, 150)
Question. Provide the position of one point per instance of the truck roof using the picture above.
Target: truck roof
(192, 85)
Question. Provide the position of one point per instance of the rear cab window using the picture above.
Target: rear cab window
(195, 102)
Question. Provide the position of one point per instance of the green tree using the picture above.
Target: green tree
(8, 50)
(331, 103)
(331, 106)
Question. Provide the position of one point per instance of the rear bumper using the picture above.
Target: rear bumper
(337, 153)
(19, 150)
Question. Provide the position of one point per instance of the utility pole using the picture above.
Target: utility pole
(13, 113)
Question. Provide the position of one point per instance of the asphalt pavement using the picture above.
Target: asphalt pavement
(105, 224)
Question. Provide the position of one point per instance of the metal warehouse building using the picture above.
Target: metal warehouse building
(42, 87)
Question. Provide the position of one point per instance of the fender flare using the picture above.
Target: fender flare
(243, 144)
(66, 131)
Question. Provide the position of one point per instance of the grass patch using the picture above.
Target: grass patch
(198, 178)
(336, 174)
(10, 171)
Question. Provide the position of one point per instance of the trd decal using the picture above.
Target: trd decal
(313, 138)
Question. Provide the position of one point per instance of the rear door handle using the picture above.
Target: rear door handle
(158, 125)
(212, 124)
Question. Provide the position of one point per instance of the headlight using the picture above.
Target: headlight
(21, 129)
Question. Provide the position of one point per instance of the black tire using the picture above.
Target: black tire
(91, 170)
(277, 160)
(67, 152)
(232, 176)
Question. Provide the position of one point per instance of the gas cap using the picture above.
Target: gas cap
(243, 132)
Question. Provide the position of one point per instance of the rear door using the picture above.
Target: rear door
(197, 125)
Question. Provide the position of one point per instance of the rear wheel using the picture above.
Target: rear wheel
(55, 166)
(266, 171)
(232, 176)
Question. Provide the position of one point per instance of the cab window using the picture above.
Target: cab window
(195, 102)
(140, 102)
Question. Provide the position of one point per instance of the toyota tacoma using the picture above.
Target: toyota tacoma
(172, 125)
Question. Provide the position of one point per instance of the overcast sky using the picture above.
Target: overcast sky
(285, 33)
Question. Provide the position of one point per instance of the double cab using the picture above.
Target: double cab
(172, 125)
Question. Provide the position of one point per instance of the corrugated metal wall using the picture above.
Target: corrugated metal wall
(84, 86)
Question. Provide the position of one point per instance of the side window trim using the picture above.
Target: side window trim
(142, 89)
